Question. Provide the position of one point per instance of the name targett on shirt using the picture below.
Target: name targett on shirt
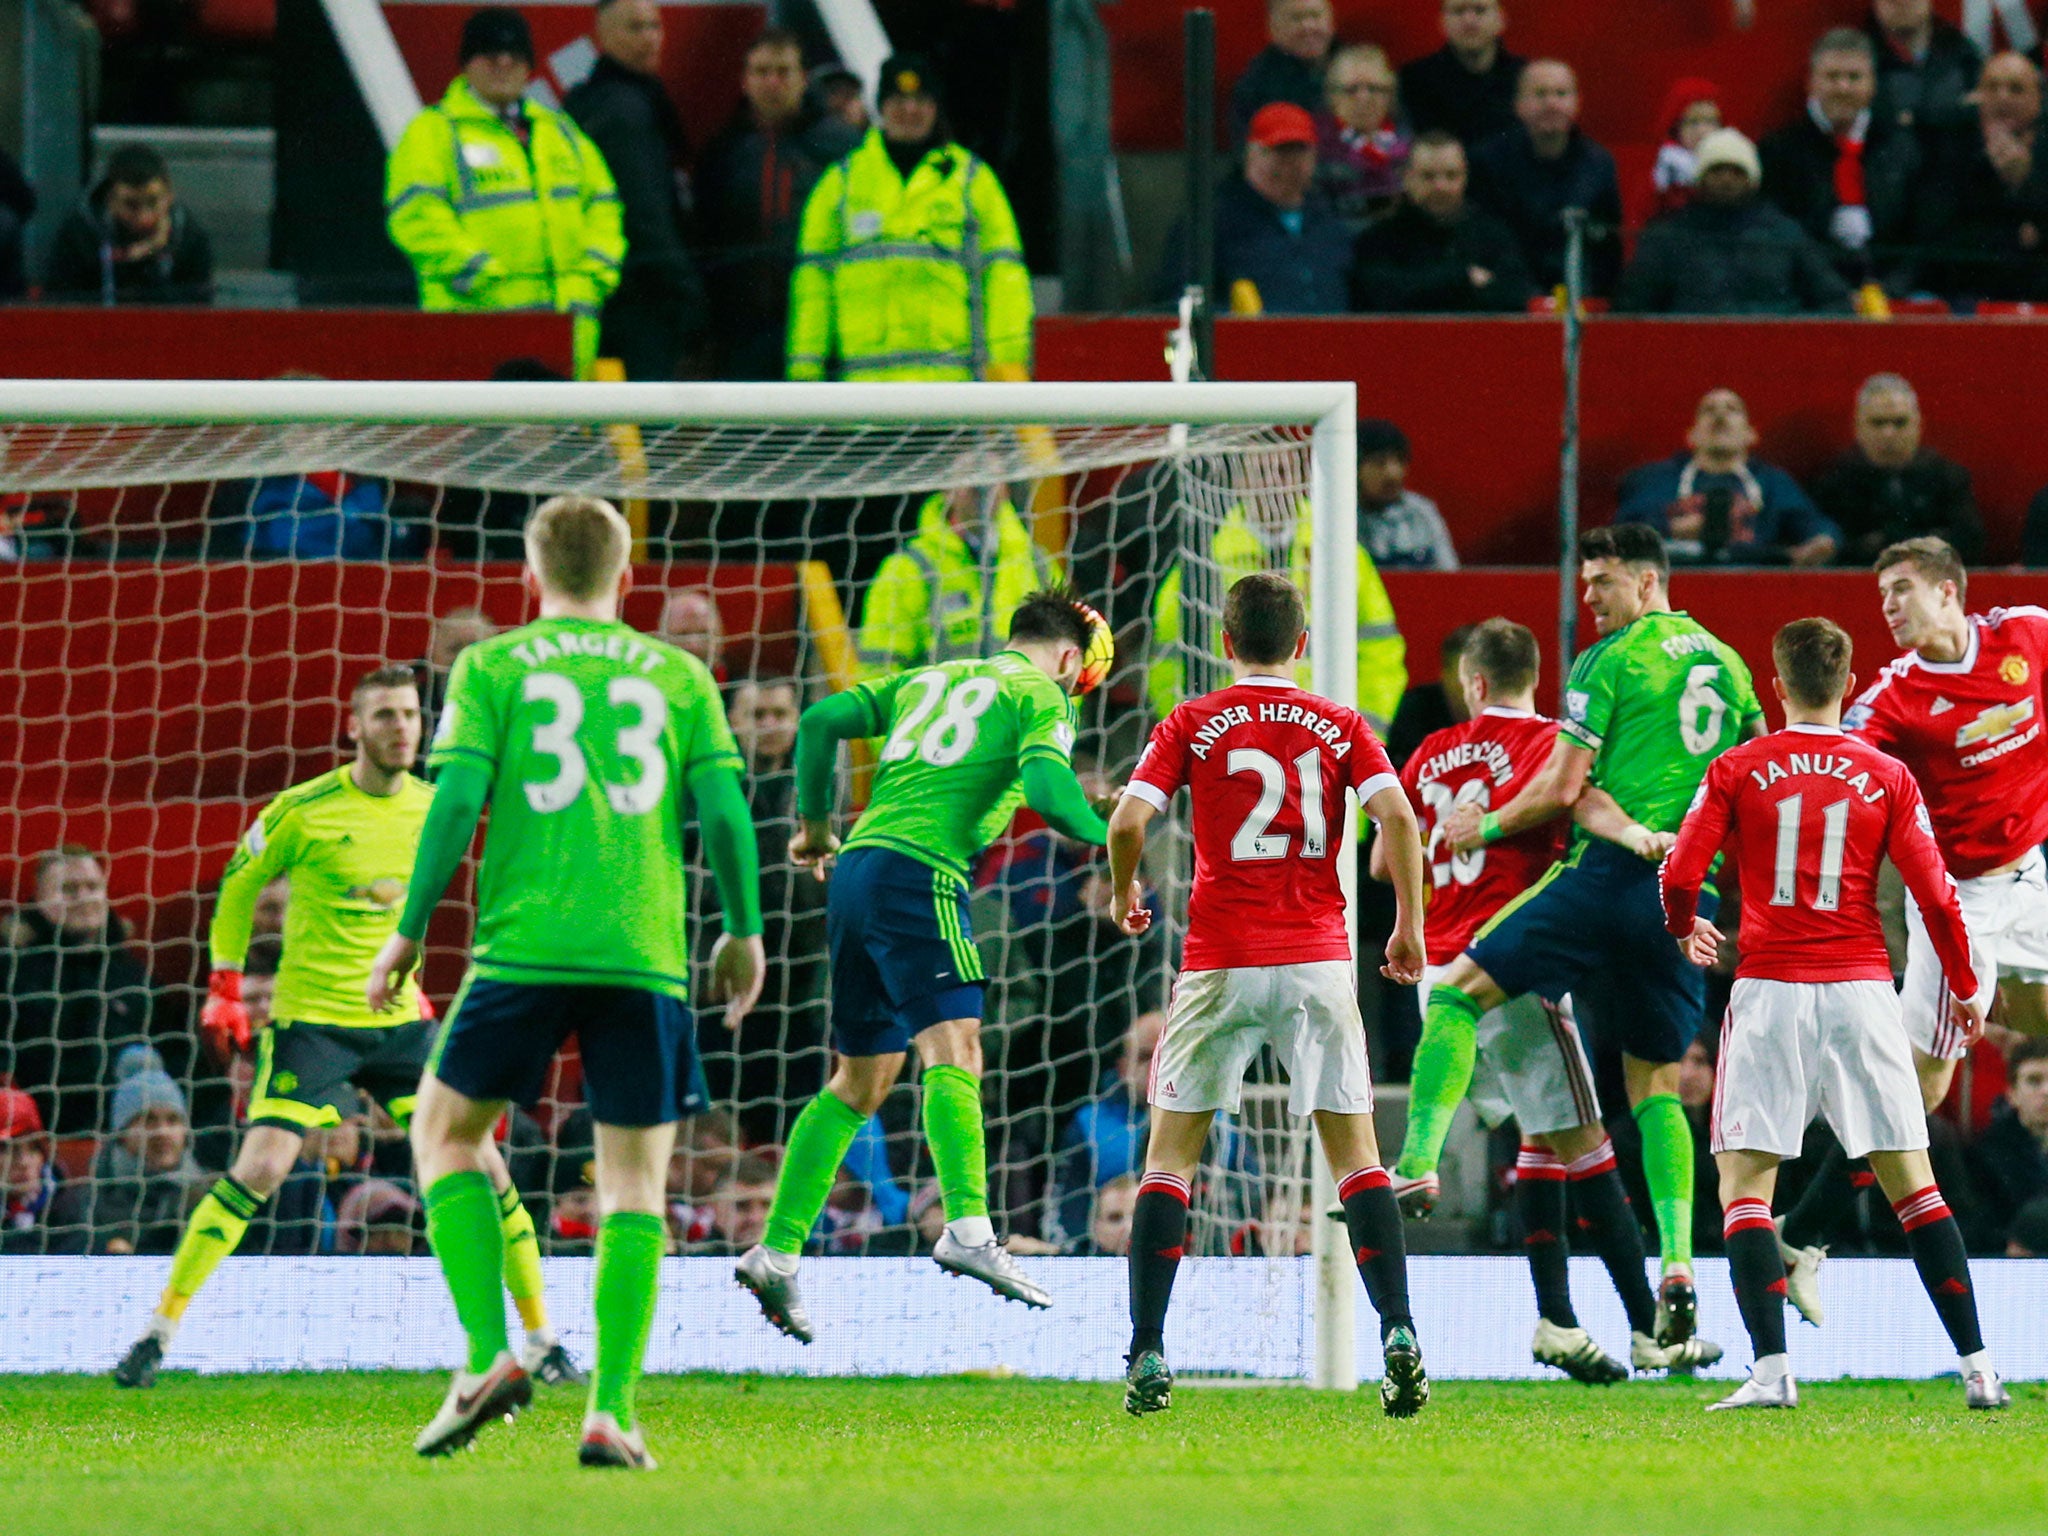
(1823, 765)
(1500, 767)
(1232, 716)
(608, 647)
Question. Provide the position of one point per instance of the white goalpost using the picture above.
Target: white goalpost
(771, 494)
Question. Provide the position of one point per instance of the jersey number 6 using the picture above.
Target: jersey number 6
(639, 742)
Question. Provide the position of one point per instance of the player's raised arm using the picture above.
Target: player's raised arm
(1402, 839)
(1909, 844)
(837, 717)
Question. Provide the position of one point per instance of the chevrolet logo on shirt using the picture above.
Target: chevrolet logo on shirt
(1995, 723)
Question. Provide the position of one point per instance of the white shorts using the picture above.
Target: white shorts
(2007, 916)
(1794, 1049)
(1217, 1021)
(1531, 1064)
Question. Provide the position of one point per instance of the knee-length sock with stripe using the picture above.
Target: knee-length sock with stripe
(1939, 1255)
(1609, 1222)
(1540, 1206)
(1373, 1220)
(1758, 1270)
(1159, 1230)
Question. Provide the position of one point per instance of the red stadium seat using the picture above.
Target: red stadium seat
(2013, 309)
(1919, 307)
(1547, 304)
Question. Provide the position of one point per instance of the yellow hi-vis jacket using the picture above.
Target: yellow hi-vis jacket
(909, 279)
(927, 603)
(490, 223)
(1237, 552)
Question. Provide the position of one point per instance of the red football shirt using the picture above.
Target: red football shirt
(1812, 813)
(1483, 762)
(1971, 732)
(1266, 765)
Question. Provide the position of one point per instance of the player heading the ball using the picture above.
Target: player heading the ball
(589, 741)
(1813, 1024)
(1267, 959)
(964, 743)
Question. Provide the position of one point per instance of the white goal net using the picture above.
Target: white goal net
(202, 571)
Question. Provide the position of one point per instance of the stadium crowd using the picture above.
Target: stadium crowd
(1915, 173)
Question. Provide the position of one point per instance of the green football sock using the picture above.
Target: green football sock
(629, 1249)
(1443, 1071)
(215, 1231)
(522, 1260)
(1668, 1170)
(464, 1231)
(818, 1144)
(952, 1129)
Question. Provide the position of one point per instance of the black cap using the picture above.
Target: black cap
(1377, 437)
(496, 29)
(907, 74)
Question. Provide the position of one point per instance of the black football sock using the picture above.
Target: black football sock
(1819, 1212)
(1539, 1206)
(1159, 1230)
(1938, 1253)
(1373, 1220)
(1758, 1270)
(1609, 1221)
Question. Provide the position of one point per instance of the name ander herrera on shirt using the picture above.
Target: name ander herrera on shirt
(1229, 718)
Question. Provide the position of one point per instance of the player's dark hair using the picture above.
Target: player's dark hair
(1453, 646)
(135, 165)
(1812, 657)
(266, 953)
(392, 675)
(1505, 654)
(1265, 618)
(1379, 438)
(1052, 614)
(781, 39)
(1635, 544)
(2029, 1048)
(1935, 559)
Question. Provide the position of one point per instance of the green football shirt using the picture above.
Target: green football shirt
(592, 733)
(948, 777)
(1656, 702)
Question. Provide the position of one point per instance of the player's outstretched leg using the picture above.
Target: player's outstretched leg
(818, 1144)
(1938, 1253)
(1159, 1231)
(1758, 1271)
(213, 1232)
(1443, 1073)
(1540, 1207)
(1372, 1219)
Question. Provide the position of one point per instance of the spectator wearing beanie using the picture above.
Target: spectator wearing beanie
(145, 1181)
(501, 202)
(1401, 529)
(1729, 252)
(1691, 111)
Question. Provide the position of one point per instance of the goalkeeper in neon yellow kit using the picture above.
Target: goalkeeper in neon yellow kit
(346, 840)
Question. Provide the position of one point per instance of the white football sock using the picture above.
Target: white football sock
(972, 1231)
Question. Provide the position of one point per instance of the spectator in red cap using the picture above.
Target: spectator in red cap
(28, 1181)
(1290, 67)
(1691, 111)
(1279, 248)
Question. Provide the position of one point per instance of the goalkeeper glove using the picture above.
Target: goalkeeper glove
(224, 1019)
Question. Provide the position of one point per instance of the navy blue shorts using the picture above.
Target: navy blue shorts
(903, 956)
(639, 1048)
(1594, 927)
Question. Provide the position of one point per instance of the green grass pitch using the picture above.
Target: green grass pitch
(777, 1457)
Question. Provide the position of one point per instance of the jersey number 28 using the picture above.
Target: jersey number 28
(638, 741)
(950, 737)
